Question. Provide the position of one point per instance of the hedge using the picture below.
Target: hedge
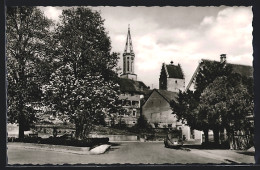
(88, 142)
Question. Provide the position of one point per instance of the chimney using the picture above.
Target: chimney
(223, 58)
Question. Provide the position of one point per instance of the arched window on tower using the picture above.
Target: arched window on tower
(127, 65)
(132, 66)
(124, 67)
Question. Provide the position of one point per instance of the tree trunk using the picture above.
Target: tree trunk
(231, 140)
(78, 130)
(21, 125)
(216, 136)
(206, 134)
(21, 86)
(21, 119)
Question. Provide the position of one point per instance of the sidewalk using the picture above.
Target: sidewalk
(227, 156)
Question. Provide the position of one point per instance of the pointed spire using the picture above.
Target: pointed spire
(128, 45)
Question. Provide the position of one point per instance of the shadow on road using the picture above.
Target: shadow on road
(207, 146)
(114, 146)
(247, 153)
(203, 147)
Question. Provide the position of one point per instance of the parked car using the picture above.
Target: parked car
(173, 139)
(30, 133)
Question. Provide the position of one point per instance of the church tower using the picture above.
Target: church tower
(128, 59)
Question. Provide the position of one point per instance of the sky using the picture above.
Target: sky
(184, 35)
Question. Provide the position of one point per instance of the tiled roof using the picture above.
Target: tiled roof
(127, 85)
(168, 95)
(243, 70)
(174, 71)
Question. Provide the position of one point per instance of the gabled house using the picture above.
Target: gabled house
(243, 70)
(159, 114)
(156, 109)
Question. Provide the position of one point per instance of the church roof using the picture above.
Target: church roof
(131, 86)
(174, 71)
(129, 45)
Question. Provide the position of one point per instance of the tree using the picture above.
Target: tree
(239, 106)
(28, 57)
(185, 108)
(142, 123)
(187, 105)
(213, 105)
(83, 87)
(142, 126)
(208, 72)
(226, 103)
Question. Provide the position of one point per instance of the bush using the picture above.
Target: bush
(88, 142)
(142, 126)
(26, 140)
(121, 125)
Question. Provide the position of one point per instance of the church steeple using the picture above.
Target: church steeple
(128, 58)
(128, 45)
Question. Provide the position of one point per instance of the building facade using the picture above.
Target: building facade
(171, 78)
(132, 91)
(159, 114)
(156, 108)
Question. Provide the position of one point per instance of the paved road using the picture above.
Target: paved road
(125, 152)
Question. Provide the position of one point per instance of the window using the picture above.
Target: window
(135, 103)
(134, 113)
(127, 65)
(128, 103)
(124, 65)
(133, 122)
(169, 125)
(176, 81)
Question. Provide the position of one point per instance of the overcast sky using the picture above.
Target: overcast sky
(184, 35)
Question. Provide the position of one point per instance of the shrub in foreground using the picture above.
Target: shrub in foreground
(88, 142)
